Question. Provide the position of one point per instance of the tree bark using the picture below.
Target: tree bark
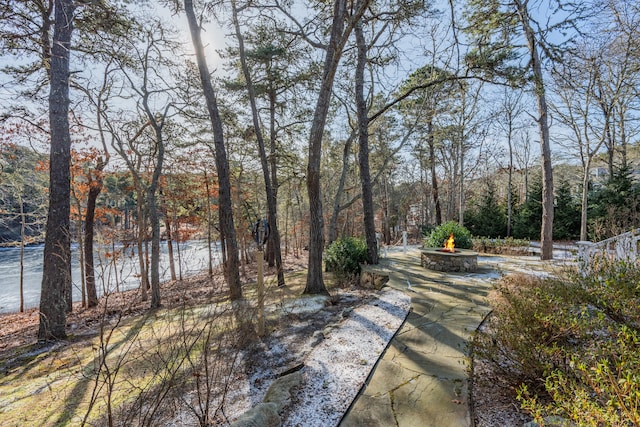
(546, 232)
(22, 237)
(315, 280)
(172, 261)
(56, 273)
(434, 177)
(154, 268)
(209, 226)
(338, 206)
(142, 235)
(227, 229)
(272, 211)
(89, 270)
(363, 151)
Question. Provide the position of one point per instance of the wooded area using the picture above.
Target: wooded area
(120, 121)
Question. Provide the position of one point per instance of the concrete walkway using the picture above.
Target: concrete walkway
(422, 378)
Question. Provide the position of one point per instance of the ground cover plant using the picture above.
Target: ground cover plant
(570, 345)
(508, 246)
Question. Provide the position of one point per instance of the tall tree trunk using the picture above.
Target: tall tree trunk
(584, 199)
(272, 211)
(89, 271)
(363, 152)
(273, 157)
(176, 225)
(386, 229)
(172, 261)
(22, 237)
(546, 233)
(461, 187)
(209, 225)
(83, 277)
(95, 188)
(434, 177)
(610, 139)
(227, 229)
(623, 137)
(510, 177)
(154, 209)
(154, 268)
(315, 280)
(56, 272)
(338, 206)
(142, 235)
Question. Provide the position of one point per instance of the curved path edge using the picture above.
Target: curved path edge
(422, 377)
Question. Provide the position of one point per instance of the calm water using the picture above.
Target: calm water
(123, 267)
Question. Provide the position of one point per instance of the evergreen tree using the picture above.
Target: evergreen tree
(615, 206)
(528, 220)
(566, 220)
(487, 217)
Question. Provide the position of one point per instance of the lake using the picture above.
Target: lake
(113, 273)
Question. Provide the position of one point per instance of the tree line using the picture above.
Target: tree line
(366, 116)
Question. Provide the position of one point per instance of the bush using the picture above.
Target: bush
(571, 346)
(439, 236)
(533, 320)
(345, 255)
(601, 389)
(508, 246)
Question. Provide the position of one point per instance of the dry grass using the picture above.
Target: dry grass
(124, 364)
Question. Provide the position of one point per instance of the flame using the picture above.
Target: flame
(449, 245)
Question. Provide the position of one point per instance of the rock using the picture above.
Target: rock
(279, 392)
(306, 304)
(371, 279)
(262, 415)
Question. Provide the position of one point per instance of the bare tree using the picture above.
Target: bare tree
(227, 229)
(578, 108)
(268, 178)
(511, 110)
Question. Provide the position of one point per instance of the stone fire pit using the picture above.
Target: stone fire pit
(463, 260)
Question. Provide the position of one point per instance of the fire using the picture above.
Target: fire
(449, 245)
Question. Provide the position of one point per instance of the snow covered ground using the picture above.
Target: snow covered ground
(336, 369)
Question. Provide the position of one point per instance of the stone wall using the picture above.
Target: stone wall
(462, 260)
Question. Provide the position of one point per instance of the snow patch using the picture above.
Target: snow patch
(337, 368)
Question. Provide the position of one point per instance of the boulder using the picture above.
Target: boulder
(372, 279)
(279, 392)
(262, 415)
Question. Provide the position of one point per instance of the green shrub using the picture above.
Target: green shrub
(426, 229)
(601, 389)
(571, 346)
(345, 255)
(440, 234)
(614, 287)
